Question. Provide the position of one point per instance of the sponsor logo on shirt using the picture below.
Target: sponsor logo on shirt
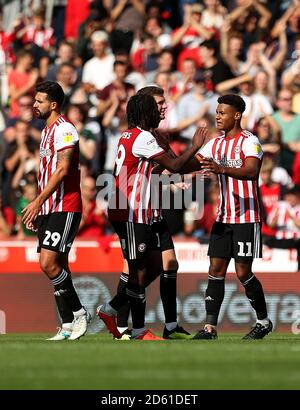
(231, 163)
(45, 152)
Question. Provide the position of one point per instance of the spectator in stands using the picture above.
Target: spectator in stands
(145, 58)
(20, 157)
(165, 64)
(98, 71)
(93, 222)
(7, 220)
(133, 77)
(66, 78)
(29, 193)
(289, 123)
(190, 35)
(192, 107)
(268, 132)
(290, 23)
(128, 19)
(285, 219)
(271, 193)
(21, 80)
(98, 20)
(154, 26)
(26, 114)
(251, 18)
(184, 83)
(231, 49)
(37, 32)
(213, 15)
(215, 69)
(119, 88)
(65, 54)
(77, 114)
(198, 222)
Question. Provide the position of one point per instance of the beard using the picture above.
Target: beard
(42, 115)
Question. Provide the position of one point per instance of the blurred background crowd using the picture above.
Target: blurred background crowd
(102, 52)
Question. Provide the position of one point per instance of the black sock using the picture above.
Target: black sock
(256, 297)
(63, 308)
(63, 285)
(214, 296)
(119, 300)
(168, 282)
(137, 300)
(123, 312)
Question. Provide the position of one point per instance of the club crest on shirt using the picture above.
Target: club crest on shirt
(67, 137)
(142, 247)
(237, 150)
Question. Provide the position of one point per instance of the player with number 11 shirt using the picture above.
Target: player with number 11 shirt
(235, 157)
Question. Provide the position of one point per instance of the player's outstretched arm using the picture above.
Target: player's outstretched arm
(178, 164)
(31, 211)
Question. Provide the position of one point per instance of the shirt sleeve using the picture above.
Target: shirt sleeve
(252, 148)
(206, 151)
(146, 146)
(65, 136)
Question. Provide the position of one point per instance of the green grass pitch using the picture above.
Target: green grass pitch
(27, 361)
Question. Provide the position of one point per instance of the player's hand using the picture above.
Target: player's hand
(30, 213)
(31, 226)
(209, 165)
(200, 136)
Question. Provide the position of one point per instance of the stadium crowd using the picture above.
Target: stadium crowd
(102, 52)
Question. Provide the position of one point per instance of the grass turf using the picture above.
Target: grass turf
(27, 361)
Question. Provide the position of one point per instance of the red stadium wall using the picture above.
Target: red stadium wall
(26, 296)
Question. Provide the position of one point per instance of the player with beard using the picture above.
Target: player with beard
(56, 212)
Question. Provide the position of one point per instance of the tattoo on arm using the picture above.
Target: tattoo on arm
(65, 156)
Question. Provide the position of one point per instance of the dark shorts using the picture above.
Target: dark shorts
(164, 238)
(239, 241)
(57, 231)
(136, 239)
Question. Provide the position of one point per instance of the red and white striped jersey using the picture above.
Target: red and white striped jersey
(133, 166)
(43, 38)
(60, 135)
(239, 199)
(286, 228)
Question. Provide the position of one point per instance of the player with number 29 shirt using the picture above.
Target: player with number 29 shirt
(56, 212)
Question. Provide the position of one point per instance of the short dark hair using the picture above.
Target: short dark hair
(292, 189)
(234, 100)
(53, 90)
(121, 63)
(140, 111)
(151, 90)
